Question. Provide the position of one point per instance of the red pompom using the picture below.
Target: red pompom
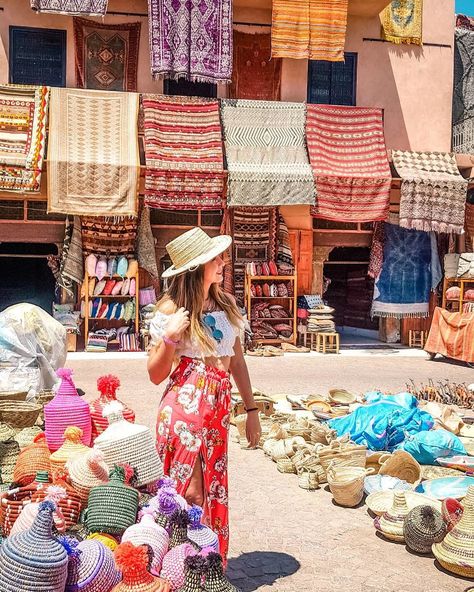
(128, 472)
(130, 558)
(39, 438)
(108, 385)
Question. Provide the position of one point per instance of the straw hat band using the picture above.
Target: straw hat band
(185, 248)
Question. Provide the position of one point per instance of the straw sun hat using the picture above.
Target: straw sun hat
(194, 248)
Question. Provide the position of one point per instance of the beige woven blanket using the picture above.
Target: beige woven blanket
(93, 155)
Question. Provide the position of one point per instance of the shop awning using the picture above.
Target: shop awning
(349, 160)
(93, 156)
(433, 192)
(266, 153)
(183, 152)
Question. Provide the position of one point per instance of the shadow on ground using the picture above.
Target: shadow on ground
(252, 570)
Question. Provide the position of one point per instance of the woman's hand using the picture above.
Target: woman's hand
(177, 324)
(253, 431)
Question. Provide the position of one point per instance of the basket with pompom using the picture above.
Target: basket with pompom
(133, 563)
(107, 386)
(32, 459)
(69, 504)
(86, 471)
(72, 446)
(147, 532)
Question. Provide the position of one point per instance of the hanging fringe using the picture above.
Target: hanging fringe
(399, 315)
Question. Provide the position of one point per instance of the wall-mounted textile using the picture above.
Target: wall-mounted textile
(37, 56)
(266, 153)
(410, 269)
(376, 250)
(452, 335)
(191, 40)
(333, 83)
(146, 253)
(106, 55)
(309, 29)
(108, 236)
(71, 7)
(469, 223)
(255, 232)
(402, 22)
(255, 74)
(183, 152)
(71, 269)
(284, 254)
(23, 117)
(349, 161)
(463, 92)
(433, 192)
(93, 156)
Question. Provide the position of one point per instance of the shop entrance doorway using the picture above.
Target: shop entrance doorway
(25, 275)
(350, 293)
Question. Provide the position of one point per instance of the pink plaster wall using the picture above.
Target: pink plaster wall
(412, 84)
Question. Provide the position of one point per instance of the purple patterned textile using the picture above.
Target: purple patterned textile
(191, 39)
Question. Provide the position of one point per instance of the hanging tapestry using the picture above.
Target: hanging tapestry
(309, 29)
(463, 92)
(284, 254)
(71, 269)
(183, 152)
(452, 335)
(23, 117)
(266, 153)
(402, 22)
(191, 40)
(376, 251)
(255, 74)
(146, 253)
(106, 56)
(108, 236)
(403, 287)
(349, 160)
(469, 221)
(226, 228)
(255, 239)
(433, 192)
(71, 7)
(93, 156)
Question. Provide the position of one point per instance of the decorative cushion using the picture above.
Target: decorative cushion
(122, 266)
(101, 268)
(109, 286)
(99, 287)
(117, 289)
(91, 264)
(133, 287)
(132, 268)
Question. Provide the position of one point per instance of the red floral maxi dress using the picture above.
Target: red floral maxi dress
(193, 425)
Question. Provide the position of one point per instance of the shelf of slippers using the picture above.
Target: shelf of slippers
(259, 296)
(91, 294)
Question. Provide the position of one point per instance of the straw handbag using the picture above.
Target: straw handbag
(347, 484)
(344, 452)
(19, 414)
(400, 464)
(286, 448)
(308, 479)
(322, 434)
(285, 465)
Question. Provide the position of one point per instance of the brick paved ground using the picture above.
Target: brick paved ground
(285, 539)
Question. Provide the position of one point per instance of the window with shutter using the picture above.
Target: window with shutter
(185, 88)
(333, 83)
(37, 56)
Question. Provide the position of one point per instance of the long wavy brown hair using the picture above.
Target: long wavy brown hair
(187, 290)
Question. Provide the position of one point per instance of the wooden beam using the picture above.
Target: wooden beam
(31, 232)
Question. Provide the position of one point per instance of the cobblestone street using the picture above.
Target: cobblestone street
(284, 538)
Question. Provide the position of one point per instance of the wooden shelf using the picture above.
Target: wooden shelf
(112, 297)
(249, 299)
(449, 282)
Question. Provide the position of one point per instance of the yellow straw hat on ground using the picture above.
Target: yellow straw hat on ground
(456, 552)
(194, 248)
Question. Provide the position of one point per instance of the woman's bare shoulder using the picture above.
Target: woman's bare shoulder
(167, 307)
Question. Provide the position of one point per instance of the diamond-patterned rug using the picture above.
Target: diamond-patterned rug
(106, 55)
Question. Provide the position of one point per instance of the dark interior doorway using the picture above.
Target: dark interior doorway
(25, 275)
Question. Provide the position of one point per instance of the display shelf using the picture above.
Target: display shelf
(462, 283)
(123, 298)
(291, 304)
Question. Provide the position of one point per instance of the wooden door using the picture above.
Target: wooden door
(301, 243)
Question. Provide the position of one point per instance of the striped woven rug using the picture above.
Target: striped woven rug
(349, 160)
(183, 151)
(309, 29)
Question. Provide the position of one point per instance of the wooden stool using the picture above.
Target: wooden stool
(327, 343)
(417, 338)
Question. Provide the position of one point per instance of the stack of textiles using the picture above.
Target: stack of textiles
(270, 268)
(263, 310)
(110, 310)
(321, 320)
(272, 290)
(96, 343)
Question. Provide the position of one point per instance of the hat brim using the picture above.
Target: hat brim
(219, 245)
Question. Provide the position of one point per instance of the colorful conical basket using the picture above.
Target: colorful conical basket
(72, 446)
(66, 409)
(32, 459)
(86, 471)
(133, 562)
(107, 386)
(391, 523)
(456, 552)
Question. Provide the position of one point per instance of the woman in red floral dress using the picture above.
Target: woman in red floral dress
(196, 338)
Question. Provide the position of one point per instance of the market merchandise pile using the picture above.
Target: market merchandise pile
(409, 456)
(84, 504)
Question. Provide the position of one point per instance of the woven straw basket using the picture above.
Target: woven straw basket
(322, 434)
(390, 524)
(286, 448)
(308, 479)
(13, 395)
(19, 414)
(284, 465)
(344, 453)
(347, 484)
(400, 464)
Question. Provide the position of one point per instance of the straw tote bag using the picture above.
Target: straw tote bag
(345, 453)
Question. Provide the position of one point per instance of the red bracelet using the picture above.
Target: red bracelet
(252, 409)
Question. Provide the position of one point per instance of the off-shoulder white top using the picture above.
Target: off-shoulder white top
(224, 348)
